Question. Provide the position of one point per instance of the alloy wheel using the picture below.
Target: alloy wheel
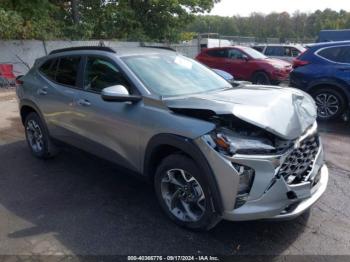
(35, 136)
(183, 195)
(328, 105)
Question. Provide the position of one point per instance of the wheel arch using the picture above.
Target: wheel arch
(162, 145)
(333, 84)
(254, 73)
(26, 107)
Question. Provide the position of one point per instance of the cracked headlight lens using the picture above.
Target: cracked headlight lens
(229, 142)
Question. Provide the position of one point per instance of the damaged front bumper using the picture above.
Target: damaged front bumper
(270, 196)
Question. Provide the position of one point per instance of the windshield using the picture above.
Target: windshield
(253, 53)
(174, 75)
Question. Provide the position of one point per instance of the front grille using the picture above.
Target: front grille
(299, 162)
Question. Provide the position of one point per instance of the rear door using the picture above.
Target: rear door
(214, 58)
(56, 92)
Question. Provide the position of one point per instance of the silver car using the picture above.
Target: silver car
(281, 51)
(213, 151)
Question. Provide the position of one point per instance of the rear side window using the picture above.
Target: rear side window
(345, 57)
(235, 54)
(49, 68)
(217, 52)
(339, 54)
(67, 70)
(259, 48)
(295, 52)
(274, 51)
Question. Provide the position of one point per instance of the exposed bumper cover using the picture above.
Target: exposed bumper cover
(307, 203)
(268, 198)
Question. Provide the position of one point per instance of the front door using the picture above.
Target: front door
(237, 64)
(111, 128)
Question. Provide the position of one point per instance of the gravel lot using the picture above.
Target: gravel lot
(78, 204)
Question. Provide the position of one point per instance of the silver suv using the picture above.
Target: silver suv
(212, 151)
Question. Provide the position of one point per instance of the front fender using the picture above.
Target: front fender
(188, 147)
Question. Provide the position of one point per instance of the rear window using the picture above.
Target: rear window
(67, 70)
(339, 54)
(49, 68)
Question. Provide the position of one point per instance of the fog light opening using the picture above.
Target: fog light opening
(246, 178)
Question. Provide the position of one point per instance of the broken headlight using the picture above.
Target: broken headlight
(228, 142)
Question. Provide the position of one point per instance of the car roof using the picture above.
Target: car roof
(226, 47)
(124, 51)
(327, 44)
(293, 45)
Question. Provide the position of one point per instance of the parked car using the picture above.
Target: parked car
(245, 63)
(324, 72)
(281, 51)
(212, 151)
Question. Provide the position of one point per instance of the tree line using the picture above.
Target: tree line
(298, 26)
(152, 20)
(142, 20)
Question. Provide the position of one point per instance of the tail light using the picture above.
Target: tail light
(297, 62)
(18, 80)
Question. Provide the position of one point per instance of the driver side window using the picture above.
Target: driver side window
(101, 73)
(235, 54)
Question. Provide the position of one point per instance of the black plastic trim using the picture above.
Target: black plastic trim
(80, 48)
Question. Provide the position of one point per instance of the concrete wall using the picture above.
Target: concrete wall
(23, 53)
(20, 53)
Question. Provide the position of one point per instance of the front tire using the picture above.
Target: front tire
(184, 194)
(261, 78)
(37, 136)
(330, 103)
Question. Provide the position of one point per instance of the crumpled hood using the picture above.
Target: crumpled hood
(285, 112)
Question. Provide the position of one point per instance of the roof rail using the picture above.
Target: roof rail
(98, 48)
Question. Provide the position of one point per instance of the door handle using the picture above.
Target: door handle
(84, 102)
(42, 91)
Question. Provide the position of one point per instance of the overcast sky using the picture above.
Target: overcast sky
(245, 7)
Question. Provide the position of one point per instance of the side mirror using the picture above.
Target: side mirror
(227, 76)
(118, 93)
(245, 58)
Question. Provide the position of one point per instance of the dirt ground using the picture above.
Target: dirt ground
(78, 204)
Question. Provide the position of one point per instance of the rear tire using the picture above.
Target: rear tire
(38, 139)
(183, 193)
(261, 78)
(331, 104)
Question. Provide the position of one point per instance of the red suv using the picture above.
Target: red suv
(245, 63)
